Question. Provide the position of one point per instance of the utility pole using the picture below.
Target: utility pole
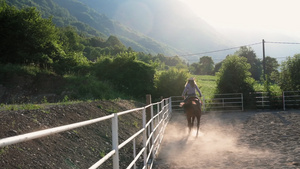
(264, 60)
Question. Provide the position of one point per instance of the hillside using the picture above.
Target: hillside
(78, 148)
(93, 23)
(171, 22)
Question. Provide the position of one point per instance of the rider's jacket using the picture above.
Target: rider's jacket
(191, 91)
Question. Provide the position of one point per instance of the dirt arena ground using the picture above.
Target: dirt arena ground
(233, 140)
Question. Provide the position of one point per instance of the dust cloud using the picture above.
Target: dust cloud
(218, 145)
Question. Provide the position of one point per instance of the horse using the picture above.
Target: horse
(192, 110)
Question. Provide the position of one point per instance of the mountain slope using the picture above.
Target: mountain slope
(169, 21)
(89, 21)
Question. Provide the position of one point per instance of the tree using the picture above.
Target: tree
(194, 69)
(128, 75)
(234, 76)
(256, 66)
(206, 65)
(113, 41)
(217, 67)
(271, 68)
(290, 76)
(70, 39)
(171, 82)
(27, 38)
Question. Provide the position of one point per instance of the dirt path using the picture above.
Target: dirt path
(233, 140)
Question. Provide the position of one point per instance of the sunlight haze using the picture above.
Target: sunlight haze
(257, 15)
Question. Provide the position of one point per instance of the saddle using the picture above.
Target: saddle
(194, 98)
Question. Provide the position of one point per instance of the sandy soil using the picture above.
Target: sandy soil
(233, 140)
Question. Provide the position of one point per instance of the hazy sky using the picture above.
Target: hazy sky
(274, 16)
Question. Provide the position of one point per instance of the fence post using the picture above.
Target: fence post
(283, 100)
(203, 103)
(115, 141)
(223, 102)
(134, 152)
(152, 137)
(163, 107)
(262, 101)
(145, 137)
(170, 104)
(242, 98)
(149, 116)
(148, 110)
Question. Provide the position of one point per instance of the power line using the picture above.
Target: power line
(220, 50)
(185, 56)
(192, 54)
(288, 43)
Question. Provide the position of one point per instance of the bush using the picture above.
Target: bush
(27, 38)
(127, 74)
(7, 71)
(90, 88)
(72, 63)
(289, 76)
(171, 83)
(234, 76)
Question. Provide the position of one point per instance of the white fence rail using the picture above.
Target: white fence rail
(256, 100)
(152, 133)
(291, 99)
(262, 100)
(220, 102)
(176, 102)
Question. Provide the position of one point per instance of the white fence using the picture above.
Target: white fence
(284, 100)
(262, 100)
(291, 99)
(219, 102)
(152, 133)
(256, 100)
(176, 102)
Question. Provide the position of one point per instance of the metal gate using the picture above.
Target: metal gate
(219, 102)
(224, 102)
(291, 100)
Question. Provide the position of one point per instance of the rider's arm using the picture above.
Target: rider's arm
(184, 91)
(198, 90)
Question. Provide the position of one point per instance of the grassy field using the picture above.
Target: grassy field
(207, 84)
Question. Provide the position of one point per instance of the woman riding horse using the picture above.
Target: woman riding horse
(190, 89)
(191, 105)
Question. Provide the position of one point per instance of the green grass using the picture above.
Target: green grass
(90, 88)
(29, 106)
(207, 84)
(135, 124)
(20, 107)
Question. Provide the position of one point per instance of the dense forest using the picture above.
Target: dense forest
(49, 59)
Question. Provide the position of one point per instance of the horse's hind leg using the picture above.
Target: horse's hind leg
(189, 120)
(192, 123)
(198, 124)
